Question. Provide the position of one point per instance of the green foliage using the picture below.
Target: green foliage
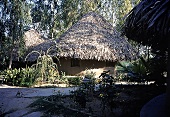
(90, 76)
(62, 79)
(13, 19)
(46, 13)
(28, 77)
(123, 7)
(74, 81)
(133, 71)
(56, 16)
(45, 68)
(19, 77)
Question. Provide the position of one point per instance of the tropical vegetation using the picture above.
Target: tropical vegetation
(52, 18)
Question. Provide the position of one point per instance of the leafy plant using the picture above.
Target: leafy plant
(27, 77)
(19, 77)
(90, 74)
(62, 78)
(107, 91)
(74, 81)
(47, 70)
(133, 71)
(11, 76)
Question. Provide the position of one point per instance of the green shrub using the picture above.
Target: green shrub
(46, 68)
(11, 76)
(19, 77)
(136, 71)
(74, 81)
(62, 79)
(28, 77)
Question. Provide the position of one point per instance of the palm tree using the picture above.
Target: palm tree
(149, 23)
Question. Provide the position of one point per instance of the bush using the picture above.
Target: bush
(47, 69)
(135, 71)
(19, 77)
(74, 81)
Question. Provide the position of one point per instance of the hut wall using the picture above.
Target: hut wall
(85, 65)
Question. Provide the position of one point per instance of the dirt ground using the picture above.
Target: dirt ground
(128, 101)
(14, 100)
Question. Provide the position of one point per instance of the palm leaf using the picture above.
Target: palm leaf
(149, 23)
(123, 66)
(161, 9)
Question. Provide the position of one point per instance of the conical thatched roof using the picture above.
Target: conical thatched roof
(92, 37)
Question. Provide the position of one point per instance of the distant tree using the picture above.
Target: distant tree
(58, 15)
(12, 23)
(116, 10)
(121, 9)
(45, 17)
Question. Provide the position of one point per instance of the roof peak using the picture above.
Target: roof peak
(93, 16)
(93, 37)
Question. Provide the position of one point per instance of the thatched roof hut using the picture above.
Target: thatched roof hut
(91, 38)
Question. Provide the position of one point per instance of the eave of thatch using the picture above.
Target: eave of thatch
(149, 23)
(92, 37)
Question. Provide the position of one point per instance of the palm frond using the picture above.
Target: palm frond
(149, 23)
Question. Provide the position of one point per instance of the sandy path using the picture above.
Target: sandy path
(18, 105)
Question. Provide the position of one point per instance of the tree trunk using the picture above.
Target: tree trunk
(10, 59)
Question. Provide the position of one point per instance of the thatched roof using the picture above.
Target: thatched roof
(32, 39)
(92, 37)
(149, 23)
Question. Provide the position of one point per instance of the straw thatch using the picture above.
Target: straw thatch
(149, 23)
(92, 37)
(32, 39)
(41, 49)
